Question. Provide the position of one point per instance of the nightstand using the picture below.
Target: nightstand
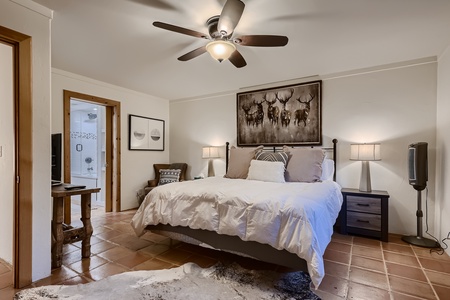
(364, 213)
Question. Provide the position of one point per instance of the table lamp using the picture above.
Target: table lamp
(365, 153)
(210, 153)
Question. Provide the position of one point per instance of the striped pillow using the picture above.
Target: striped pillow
(272, 156)
(168, 175)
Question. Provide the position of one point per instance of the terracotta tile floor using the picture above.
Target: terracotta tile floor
(355, 267)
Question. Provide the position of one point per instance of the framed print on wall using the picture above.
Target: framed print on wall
(145, 133)
(286, 115)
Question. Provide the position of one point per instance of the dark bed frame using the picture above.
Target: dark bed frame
(234, 244)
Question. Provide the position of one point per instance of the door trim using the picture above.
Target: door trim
(112, 176)
(23, 157)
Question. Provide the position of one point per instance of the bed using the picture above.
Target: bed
(265, 207)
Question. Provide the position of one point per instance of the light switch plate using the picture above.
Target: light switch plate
(1, 151)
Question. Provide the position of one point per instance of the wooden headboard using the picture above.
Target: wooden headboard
(273, 148)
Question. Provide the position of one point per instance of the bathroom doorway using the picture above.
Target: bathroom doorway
(87, 151)
(92, 146)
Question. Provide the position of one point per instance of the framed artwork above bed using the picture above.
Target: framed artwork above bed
(285, 115)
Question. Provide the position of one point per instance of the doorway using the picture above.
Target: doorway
(87, 151)
(21, 149)
(6, 163)
(92, 146)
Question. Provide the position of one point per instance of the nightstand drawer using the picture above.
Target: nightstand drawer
(362, 220)
(364, 204)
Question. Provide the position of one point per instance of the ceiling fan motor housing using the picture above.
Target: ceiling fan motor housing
(212, 27)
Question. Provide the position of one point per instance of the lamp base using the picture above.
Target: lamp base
(421, 241)
(211, 168)
(364, 183)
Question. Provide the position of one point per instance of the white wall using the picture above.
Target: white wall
(137, 166)
(393, 105)
(443, 147)
(6, 153)
(32, 19)
(209, 121)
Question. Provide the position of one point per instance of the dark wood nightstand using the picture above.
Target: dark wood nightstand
(364, 213)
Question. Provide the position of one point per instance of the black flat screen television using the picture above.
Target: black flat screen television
(56, 156)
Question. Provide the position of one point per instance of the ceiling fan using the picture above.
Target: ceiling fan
(222, 45)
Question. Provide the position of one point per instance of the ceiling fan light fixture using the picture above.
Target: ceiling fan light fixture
(220, 50)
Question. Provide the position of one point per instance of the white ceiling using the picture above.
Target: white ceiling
(114, 40)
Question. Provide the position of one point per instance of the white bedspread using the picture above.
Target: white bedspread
(298, 217)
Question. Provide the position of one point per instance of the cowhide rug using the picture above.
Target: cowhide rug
(185, 282)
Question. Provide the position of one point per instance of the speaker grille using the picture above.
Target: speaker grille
(412, 164)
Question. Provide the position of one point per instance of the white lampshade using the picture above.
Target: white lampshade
(210, 152)
(365, 152)
(220, 50)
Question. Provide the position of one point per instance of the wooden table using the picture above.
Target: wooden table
(60, 236)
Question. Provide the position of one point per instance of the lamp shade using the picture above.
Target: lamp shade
(210, 152)
(365, 152)
(220, 50)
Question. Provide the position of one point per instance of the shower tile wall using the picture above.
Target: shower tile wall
(83, 143)
(86, 140)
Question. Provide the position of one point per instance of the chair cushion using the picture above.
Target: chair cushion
(168, 176)
(182, 167)
(157, 168)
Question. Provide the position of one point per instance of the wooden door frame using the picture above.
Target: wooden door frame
(23, 158)
(112, 174)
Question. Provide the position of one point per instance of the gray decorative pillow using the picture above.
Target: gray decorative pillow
(305, 164)
(272, 156)
(239, 162)
(168, 176)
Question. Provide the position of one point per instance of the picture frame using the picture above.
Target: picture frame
(145, 134)
(287, 115)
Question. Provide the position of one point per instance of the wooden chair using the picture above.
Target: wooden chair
(152, 183)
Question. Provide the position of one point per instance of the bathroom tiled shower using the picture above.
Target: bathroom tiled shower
(87, 143)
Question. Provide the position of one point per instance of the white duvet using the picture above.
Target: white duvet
(298, 217)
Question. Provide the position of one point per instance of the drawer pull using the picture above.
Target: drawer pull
(362, 221)
(363, 204)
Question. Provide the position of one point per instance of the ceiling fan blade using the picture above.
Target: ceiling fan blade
(230, 16)
(262, 40)
(180, 30)
(193, 54)
(159, 4)
(237, 59)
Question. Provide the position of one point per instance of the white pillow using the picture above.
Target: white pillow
(327, 169)
(272, 171)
